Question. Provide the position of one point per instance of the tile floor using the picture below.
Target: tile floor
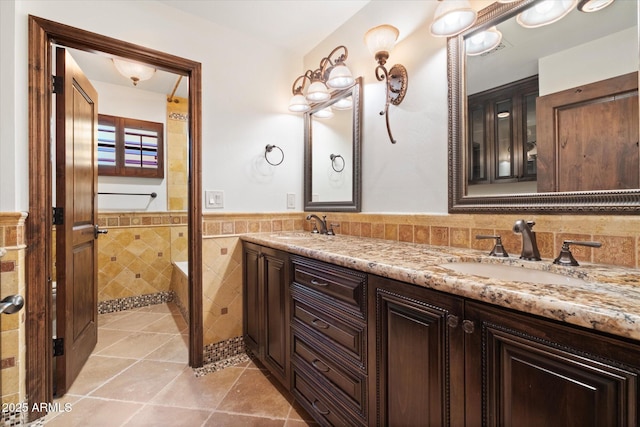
(138, 376)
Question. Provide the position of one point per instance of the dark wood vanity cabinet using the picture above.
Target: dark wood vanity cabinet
(266, 307)
(357, 349)
(418, 355)
(524, 371)
(329, 342)
(443, 360)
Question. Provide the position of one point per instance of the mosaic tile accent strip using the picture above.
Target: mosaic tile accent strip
(179, 116)
(224, 349)
(137, 301)
(13, 418)
(222, 364)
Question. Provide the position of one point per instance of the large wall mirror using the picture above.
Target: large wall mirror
(332, 133)
(548, 120)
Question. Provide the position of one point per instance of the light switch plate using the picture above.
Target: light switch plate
(291, 201)
(214, 199)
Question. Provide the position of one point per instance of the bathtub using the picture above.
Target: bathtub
(180, 287)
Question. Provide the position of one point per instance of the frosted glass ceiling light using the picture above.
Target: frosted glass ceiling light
(483, 41)
(331, 74)
(134, 71)
(545, 13)
(381, 40)
(452, 17)
(593, 5)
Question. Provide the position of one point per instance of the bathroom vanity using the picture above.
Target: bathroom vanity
(374, 332)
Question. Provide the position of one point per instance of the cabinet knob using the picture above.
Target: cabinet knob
(453, 321)
(468, 326)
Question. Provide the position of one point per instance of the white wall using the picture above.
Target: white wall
(137, 104)
(600, 59)
(246, 85)
(410, 176)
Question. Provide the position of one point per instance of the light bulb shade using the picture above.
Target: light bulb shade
(340, 77)
(593, 5)
(452, 17)
(343, 103)
(298, 104)
(134, 71)
(325, 113)
(483, 41)
(545, 13)
(381, 39)
(317, 92)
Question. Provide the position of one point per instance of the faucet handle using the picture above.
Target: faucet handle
(498, 250)
(315, 227)
(330, 231)
(566, 257)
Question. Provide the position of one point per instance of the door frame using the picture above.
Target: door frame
(38, 263)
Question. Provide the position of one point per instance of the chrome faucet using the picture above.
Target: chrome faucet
(529, 245)
(323, 223)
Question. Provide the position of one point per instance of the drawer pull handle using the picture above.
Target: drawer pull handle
(320, 324)
(319, 410)
(316, 283)
(320, 365)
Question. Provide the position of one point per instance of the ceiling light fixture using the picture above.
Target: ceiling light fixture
(483, 41)
(133, 70)
(331, 74)
(593, 5)
(380, 40)
(545, 12)
(452, 17)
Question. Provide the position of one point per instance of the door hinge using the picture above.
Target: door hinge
(58, 347)
(57, 84)
(58, 216)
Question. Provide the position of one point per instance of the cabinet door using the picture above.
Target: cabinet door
(523, 371)
(418, 356)
(252, 323)
(276, 318)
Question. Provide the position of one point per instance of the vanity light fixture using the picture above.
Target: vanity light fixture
(593, 5)
(380, 40)
(545, 12)
(331, 74)
(325, 113)
(343, 103)
(452, 17)
(483, 41)
(133, 70)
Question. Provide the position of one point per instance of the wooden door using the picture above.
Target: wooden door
(252, 319)
(76, 248)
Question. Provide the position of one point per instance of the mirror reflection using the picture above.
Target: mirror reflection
(550, 108)
(332, 152)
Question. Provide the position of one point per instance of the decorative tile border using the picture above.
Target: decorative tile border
(136, 219)
(14, 418)
(137, 301)
(223, 354)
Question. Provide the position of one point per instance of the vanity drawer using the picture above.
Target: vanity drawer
(347, 337)
(350, 387)
(318, 402)
(342, 284)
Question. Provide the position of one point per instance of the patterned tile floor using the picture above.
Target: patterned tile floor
(138, 376)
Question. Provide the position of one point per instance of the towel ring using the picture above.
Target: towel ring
(269, 148)
(333, 158)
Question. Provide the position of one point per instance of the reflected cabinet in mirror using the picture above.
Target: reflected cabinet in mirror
(547, 120)
(332, 180)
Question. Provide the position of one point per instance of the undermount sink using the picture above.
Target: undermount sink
(512, 273)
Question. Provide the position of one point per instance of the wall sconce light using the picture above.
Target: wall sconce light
(483, 41)
(545, 13)
(593, 5)
(380, 40)
(134, 71)
(452, 17)
(332, 73)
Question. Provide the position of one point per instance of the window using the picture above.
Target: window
(130, 147)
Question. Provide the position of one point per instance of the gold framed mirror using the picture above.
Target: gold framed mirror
(544, 195)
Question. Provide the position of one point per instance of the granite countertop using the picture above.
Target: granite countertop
(607, 298)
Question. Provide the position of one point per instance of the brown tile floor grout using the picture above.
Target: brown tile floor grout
(138, 376)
